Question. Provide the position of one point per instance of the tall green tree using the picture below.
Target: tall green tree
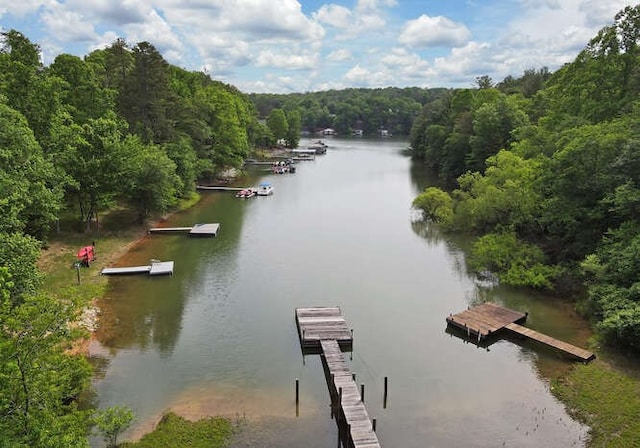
(277, 122)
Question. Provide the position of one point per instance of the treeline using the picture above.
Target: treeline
(545, 169)
(370, 110)
(119, 126)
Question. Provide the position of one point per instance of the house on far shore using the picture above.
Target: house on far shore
(357, 132)
(329, 131)
(385, 133)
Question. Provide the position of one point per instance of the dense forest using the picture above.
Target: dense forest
(545, 170)
(120, 126)
(369, 110)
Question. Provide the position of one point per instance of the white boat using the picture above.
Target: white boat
(265, 189)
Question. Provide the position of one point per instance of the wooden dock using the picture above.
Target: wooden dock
(155, 268)
(489, 320)
(326, 329)
(196, 230)
(216, 188)
(317, 324)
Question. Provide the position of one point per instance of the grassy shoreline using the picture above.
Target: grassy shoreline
(600, 395)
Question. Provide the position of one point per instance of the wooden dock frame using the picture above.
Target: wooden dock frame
(484, 323)
(323, 330)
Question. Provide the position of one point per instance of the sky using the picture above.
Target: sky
(284, 46)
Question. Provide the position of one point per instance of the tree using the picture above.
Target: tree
(111, 422)
(293, 128)
(32, 194)
(277, 122)
(39, 381)
(152, 180)
(436, 205)
(144, 97)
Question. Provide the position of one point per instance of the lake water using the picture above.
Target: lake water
(219, 336)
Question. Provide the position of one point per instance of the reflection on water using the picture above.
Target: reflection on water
(219, 336)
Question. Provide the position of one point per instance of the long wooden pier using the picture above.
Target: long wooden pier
(489, 320)
(196, 230)
(326, 329)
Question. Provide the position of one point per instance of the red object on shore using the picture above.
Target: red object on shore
(87, 254)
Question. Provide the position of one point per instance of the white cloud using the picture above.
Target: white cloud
(339, 55)
(334, 15)
(406, 65)
(364, 77)
(437, 31)
(159, 33)
(287, 60)
(68, 25)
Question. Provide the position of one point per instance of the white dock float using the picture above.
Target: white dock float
(196, 230)
(156, 268)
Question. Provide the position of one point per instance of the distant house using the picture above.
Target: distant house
(357, 132)
(384, 133)
(328, 131)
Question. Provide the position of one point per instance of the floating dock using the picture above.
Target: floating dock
(155, 268)
(196, 230)
(326, 329)
(489, 320)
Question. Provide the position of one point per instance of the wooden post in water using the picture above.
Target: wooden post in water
(374, 425)
(362, 393)
(384, 405)
(297, 391)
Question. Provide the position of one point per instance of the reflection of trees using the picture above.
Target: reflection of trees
(146, 312)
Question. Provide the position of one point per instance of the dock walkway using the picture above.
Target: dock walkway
(488, 320)
(325, 328)
(155, 268)
(196, 230)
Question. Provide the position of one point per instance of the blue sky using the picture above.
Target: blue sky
(284, 46)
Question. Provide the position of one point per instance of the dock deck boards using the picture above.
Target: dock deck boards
(316, 324)
(325, 328)
(354, 413)
(487, 319)
(565, 347)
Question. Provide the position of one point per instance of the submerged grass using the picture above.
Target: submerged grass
(607, 400)
(174, 431)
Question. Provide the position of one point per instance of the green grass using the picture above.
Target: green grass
(606, 400)
(175, 431)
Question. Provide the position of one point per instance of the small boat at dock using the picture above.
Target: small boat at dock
(246, 193)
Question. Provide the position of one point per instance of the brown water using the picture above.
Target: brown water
(219, 336)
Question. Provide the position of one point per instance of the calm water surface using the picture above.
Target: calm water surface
(219, 337)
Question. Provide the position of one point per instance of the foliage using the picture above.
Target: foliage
(547, 170)
(277, 123)
(436, 205)
(174, 431)
(31, 198)
(516, 263)
(369, 110)
(38, 380)
(112, 422)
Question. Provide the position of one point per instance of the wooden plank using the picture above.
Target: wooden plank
(562, 346)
